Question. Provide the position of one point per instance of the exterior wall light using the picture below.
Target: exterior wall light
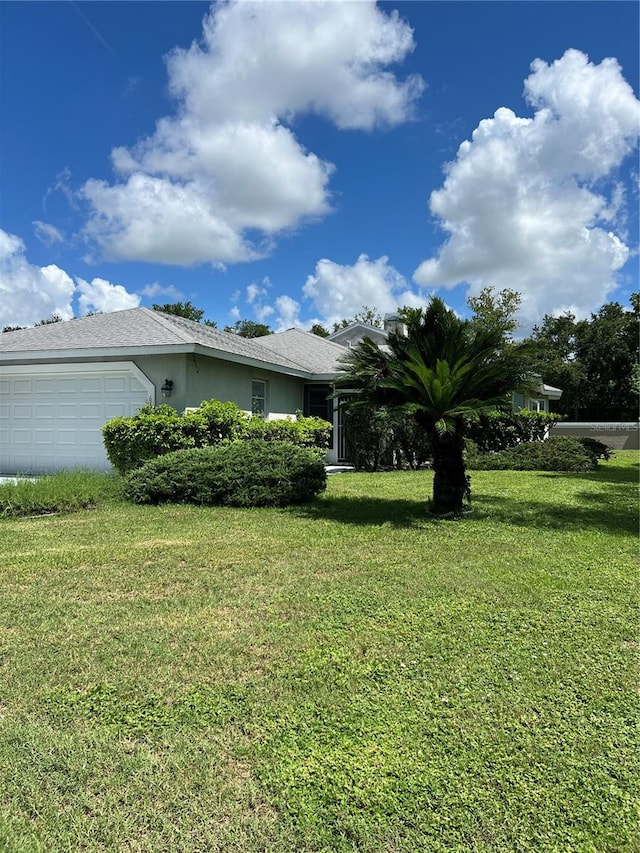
(167, 388)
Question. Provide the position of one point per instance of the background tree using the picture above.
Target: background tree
(186, 310)
(54, 318)
(248, 329)
(370, 316)
(445, 370)
(496, 309)
(319, 329)
(594, 361)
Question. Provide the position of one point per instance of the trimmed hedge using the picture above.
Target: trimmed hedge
(157, 430)
(559, 453)
(244, 473)
(497, 430)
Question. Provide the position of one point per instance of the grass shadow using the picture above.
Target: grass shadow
(370, 511)
(603, 511)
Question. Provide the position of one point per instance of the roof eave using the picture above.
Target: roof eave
(96, 353)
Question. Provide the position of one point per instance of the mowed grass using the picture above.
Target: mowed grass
(344, 676)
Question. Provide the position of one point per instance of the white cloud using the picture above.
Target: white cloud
(525, 203)
(287, 313)
(226, 166)
(340, 291)
(101, 295)
(30, 293)
(47, 233)
(154, 290)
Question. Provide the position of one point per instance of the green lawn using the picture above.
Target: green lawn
(345, 676)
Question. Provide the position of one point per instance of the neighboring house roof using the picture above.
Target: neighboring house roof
(364, 330)
(312, 352)
(142, 331)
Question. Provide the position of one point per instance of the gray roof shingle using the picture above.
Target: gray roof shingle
(142, 327)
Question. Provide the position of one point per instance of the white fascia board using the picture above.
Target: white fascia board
(98, 353)
(95, 354)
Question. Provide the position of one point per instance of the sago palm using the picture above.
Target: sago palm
(445, 369)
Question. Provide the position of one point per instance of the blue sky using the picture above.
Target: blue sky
(291, 162)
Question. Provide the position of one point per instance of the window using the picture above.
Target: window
(259, 397)
(537, 405)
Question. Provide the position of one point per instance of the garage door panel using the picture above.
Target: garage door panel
(45, 412)
(115, 385)
(52, 420)
(89, 411)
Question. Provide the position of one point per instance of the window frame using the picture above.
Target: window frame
(260, 410)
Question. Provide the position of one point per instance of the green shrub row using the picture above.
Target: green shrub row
(244, 474)
(378, 438)
(558, 453)
(496, 431)
(382, 438)
(157, 430)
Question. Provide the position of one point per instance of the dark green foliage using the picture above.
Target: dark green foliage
(559, 453)
(500, 430)
(222, 421)
(152, 432)
(594, 361)
(157, 430)
(248, 329)
(319, 329)
(312, 433)
(598, 449)
(368, 436)
(245, 474)
(446, 370)
(381, 438)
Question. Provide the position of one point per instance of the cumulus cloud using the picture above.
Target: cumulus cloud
(339, 291)
(155, 289)
(29, 293)
(534, 203)
(101, 295)
(47, 233)
(219, 180)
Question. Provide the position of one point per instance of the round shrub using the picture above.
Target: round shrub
(559, 453)
(244, 473)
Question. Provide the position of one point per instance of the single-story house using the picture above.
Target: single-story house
(60, 382)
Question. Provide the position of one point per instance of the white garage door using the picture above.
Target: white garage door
(50, 416)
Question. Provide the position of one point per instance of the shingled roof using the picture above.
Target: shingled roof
(142, 329)
(310, 351)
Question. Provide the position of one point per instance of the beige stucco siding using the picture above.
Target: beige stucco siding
(209, 379)
(196, 378)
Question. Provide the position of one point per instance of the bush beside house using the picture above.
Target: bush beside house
(157, 430)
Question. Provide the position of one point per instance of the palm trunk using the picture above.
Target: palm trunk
(450, 484)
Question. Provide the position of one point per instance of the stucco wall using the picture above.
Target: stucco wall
(208, 379)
